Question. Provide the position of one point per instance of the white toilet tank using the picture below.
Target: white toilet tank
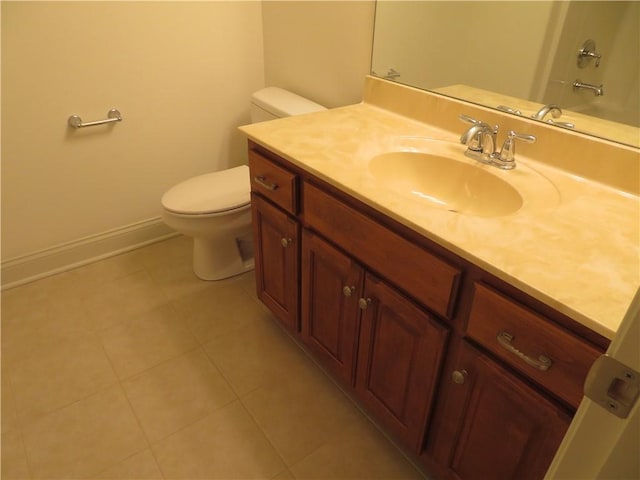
(273, 102)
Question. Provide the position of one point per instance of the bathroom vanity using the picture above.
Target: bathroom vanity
(460, 349)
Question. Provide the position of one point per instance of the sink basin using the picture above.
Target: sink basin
(447, 183)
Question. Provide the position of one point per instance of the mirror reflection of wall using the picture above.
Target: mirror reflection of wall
(473, 45)
(614, 28)
(520, 52)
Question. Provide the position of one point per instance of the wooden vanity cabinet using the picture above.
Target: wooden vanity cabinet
(498, 426)
(452, 367)
(276, 239)
(552, 357)
(400, 353)
(276, 234)
(368, 334)
(331, 287)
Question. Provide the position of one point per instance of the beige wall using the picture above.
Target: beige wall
(181, 74)
(319, 49)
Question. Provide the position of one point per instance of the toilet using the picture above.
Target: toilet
(215, 208)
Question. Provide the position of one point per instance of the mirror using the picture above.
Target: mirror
(517, 56)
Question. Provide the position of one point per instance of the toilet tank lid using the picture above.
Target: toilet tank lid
(283, 103)
(210, 193)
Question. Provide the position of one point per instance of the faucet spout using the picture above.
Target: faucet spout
(480, 137)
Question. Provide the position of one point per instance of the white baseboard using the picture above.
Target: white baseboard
(33, 266)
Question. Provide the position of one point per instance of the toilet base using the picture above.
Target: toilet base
(215, 260)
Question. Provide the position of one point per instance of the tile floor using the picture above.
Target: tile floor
(131, 368)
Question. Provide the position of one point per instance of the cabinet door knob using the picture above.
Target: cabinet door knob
(363, 303)
(347, 291)
(286, 242)
(459, 376)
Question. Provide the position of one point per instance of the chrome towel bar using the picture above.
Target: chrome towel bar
(113, 116)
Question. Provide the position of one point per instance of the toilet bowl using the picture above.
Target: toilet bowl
(215, 208)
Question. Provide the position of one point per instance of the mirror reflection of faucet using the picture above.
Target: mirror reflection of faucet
(597, 90)
(504, 108)
(555, 112)
(588, 53)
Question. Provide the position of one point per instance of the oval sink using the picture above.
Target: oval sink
(446, 183)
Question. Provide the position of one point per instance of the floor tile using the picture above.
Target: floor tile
(358, 452)
(54, 312)
(147, 339)
(84, 438)
(256, 355)
(14, 460)
(94, 275)
(132, 368)
(59, 373)
(224, 445)
(300, 413)
(286, 475)
(219, 309)
(120, 299)
(175, 250)
(177, 393)
(8, 413)
(141, 466)
(177, 278)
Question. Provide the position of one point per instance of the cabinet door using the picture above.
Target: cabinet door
(504, 429)
(331, 287)
(276, 244)
(400, 353)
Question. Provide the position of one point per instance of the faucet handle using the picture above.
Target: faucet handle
(479, 123)
(506, 158)
(511, 135)
(468, 119)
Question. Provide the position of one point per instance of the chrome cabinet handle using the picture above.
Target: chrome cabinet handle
(262, 180)
(285, 242)
(347, 291)
(543, 363)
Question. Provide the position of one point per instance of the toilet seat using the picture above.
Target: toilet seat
(215, 192)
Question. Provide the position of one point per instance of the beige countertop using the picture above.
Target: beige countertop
(574, 245)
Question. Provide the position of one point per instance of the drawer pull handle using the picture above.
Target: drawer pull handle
(261, 180)
(543, 363)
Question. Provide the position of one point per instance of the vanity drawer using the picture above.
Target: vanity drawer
(424, 276)
(273, 182)
(523, 339)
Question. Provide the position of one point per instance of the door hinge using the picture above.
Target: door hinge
(613, 385)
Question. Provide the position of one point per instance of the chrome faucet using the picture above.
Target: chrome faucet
(480, 140)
